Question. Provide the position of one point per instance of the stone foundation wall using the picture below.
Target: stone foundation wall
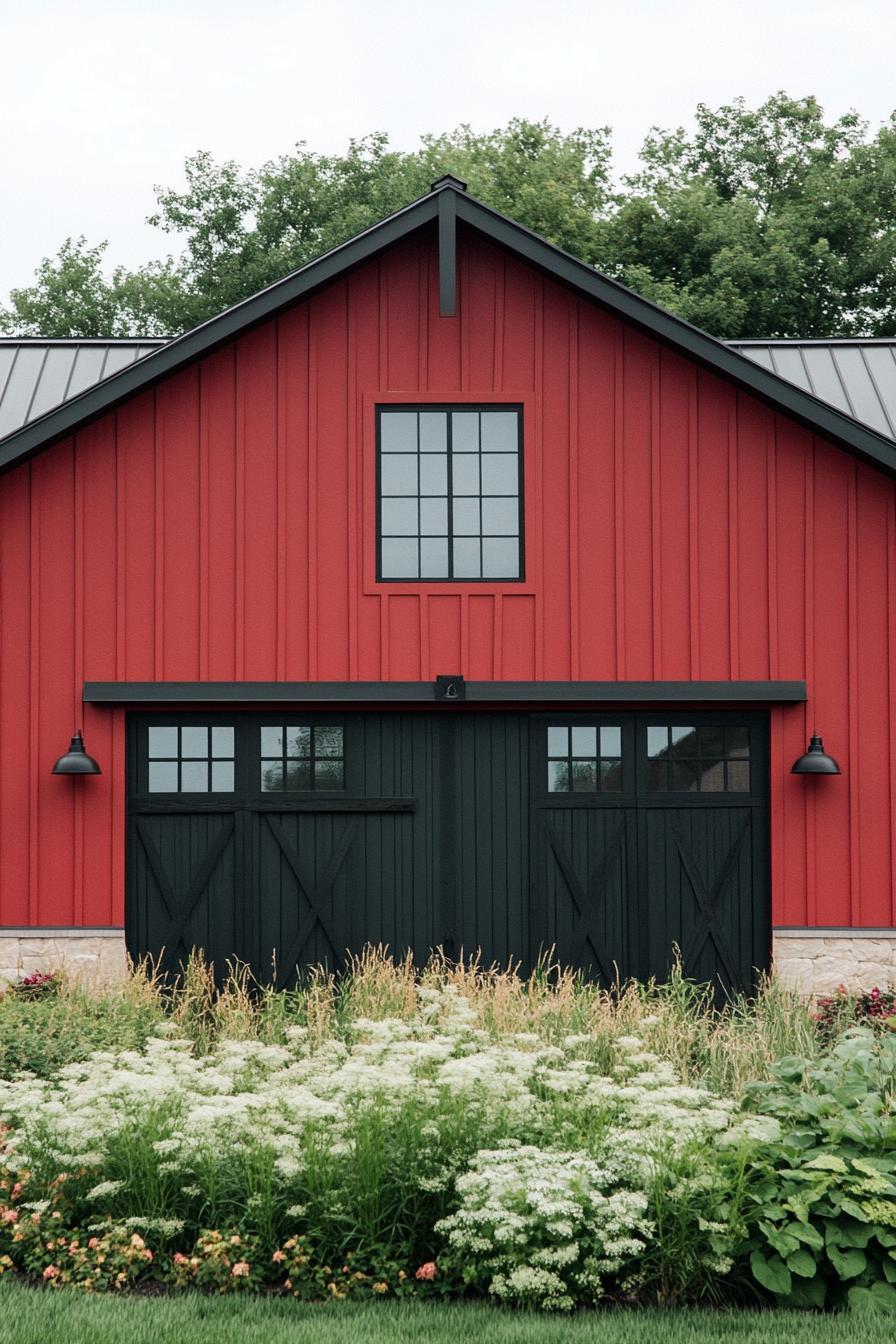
(96, 955)
(812, 961)
(816, 961)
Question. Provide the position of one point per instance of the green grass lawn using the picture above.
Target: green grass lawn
(29, 1316)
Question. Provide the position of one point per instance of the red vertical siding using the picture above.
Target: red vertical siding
(221, 526)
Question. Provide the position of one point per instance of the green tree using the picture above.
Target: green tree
(762, 222)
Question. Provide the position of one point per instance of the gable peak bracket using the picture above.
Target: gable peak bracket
(447, 254)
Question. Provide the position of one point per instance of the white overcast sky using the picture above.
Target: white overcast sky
(102, 100)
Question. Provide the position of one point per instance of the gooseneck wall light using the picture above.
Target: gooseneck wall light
(76, 761)
(816, 761)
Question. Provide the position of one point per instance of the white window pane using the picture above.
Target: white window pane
(433, 431)
(194, 742)
(194, 777)
(611, 741)
(584, 741)
(163, 742)
(163, 776)
(298, 741)
(466, 517)
(558, 741)
(657, 741)
(271, 776)
(500, 517)
(399, 559)
(398, 431)
(500, 432)
(434, 517)
(434, 474)
(465, 474)
(271, 741)
(399, 475)
(500, 475)
(222, 741)
(500, 558)
(222, 777)
(465, 431)
(466, 559)
(399, 517)
(434, 558)
(558, 777)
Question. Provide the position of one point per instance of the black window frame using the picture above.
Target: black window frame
(452, 406)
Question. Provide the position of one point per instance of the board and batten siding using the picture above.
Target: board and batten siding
(221, 526)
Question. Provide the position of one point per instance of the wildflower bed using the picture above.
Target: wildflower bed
(465, 1134)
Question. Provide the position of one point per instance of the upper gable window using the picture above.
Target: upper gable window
(449, 492)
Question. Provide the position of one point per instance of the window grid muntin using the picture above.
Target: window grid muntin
(298, 759)
(451, 537)
(569, 750)
(189, 762)
(723, 746)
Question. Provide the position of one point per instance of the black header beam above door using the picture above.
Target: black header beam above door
(483, 692)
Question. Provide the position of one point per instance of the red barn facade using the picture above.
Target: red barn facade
(447, 593)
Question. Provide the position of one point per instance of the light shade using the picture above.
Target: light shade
(816, 760)
(76, 761)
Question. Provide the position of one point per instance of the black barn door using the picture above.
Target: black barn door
(650, 833)
(290, 839)
(287, 840)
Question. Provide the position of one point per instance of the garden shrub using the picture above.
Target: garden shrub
(842, 1009)
(820, 1199)
(544, 1228)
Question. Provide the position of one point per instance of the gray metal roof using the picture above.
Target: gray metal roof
(36, 375)
(856, 376)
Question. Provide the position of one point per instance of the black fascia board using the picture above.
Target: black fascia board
(816, 415)
(484, 692)
(713, 354)
(183, 350)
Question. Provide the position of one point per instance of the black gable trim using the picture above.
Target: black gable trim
(816, 415)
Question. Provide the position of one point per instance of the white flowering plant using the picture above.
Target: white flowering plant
(369, 1143)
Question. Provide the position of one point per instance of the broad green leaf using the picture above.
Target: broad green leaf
(879, 1297)
(849, 1264)
(802, 1262)
(827, 1162)
(771, 1272)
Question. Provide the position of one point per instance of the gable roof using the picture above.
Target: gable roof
(446, 202)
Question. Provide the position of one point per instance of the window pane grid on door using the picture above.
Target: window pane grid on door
(449, 493)
(190, 758)
(302, 758)
(584, 759)
(711, 758)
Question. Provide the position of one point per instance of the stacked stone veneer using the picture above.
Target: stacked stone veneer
(96, 955)
(813, 961)
(816, 961)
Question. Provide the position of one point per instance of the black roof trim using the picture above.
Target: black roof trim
(817, 415)
(524, 692)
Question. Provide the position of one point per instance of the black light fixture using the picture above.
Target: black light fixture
(450, 688)
(76, 761)
(816, 760)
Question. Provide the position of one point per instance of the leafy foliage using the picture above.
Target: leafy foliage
(821, 1200)
(767, 221)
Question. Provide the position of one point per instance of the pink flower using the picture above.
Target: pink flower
(51, 1272)
(10, 1215)
(93, 1243)
(277, 1257)
(427, 1271)
(180, 1259)
(240, 1269)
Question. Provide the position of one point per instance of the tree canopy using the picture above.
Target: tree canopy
(756, 222)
